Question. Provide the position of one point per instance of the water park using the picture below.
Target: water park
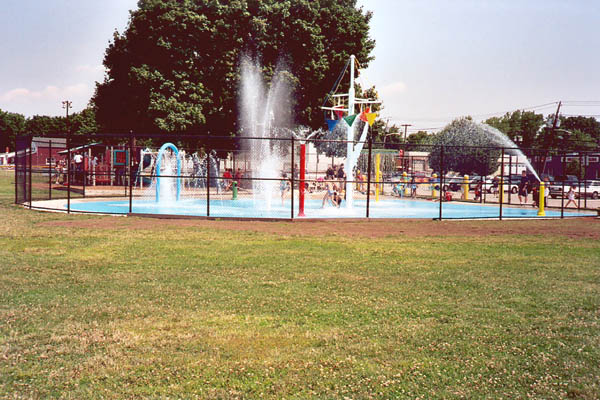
(275, 170)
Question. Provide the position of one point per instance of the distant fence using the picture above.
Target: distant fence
(215, 170)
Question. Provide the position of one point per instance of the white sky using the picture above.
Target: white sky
(435, 59)
(52, 50)
(438, 60)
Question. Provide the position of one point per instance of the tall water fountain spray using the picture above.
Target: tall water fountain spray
(501, 139)
(262, 111)
(170, 166)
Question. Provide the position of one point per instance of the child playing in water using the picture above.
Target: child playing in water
(284, 186)
(336, 199)
(413, 188)
(571, 197)
(330, 192)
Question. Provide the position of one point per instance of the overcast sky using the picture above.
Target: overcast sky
(435, 60)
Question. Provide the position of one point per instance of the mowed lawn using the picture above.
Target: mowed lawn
(109, 307)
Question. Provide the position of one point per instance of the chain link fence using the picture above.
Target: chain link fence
(288, 178)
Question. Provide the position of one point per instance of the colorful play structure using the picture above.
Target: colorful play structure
(159, 161)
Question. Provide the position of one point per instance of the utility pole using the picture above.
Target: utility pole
(405, 130)
(67, 105)
(556, 116)
(554, 124)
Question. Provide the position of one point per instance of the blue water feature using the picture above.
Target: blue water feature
(159, 159)
(249, 208)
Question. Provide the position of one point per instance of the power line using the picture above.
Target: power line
(582, 101)
(536, 107)
(583, 105)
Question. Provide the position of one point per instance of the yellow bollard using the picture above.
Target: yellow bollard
(541, 211)
(501, 190)
(377, 175)
(466, 187)
(406, 185)
(434, 193)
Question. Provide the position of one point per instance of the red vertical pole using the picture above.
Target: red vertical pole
(302, 177)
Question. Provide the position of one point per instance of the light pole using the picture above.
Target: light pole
(66, 104)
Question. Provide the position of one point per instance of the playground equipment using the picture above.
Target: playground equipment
(434, 192)
(406, 184)
(159, 161)
(541, 211)
(302, 179)
(353, 147)
(377, 175)
(465, 187)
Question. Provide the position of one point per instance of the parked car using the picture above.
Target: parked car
(589, 189)
(550, 177)
(453, 182)
(556, 188)
(487, 183)
(511, 183)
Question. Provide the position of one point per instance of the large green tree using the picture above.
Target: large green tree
(575, 133)
(176, 66)
(43, 125)
(520, 126)
(11, 125)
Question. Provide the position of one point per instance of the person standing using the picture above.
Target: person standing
(478, 191)
(284, 186)
(328, 191)
(330, 170)
(523, 188)
(341, 176)
(571, 197)
(495, 184)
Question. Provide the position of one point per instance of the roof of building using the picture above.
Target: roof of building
(58, 142)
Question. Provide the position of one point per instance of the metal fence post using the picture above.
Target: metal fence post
(579, 182)
(50, 170)
(30, 169)
(83, 171)
(501, 185)
(441, 180)
(207, 182)
(16, 171)
(562, 194)
(369, 173)
(509, 194)
(68, 174)
(586, 164)
(130, 172)
(292, 179)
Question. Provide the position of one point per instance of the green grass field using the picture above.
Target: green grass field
(108, 307)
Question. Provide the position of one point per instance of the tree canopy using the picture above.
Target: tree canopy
(176, 66)
(532, 130)
(11, 125)
(520, 126)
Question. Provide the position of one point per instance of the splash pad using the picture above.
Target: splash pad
(248, 208)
